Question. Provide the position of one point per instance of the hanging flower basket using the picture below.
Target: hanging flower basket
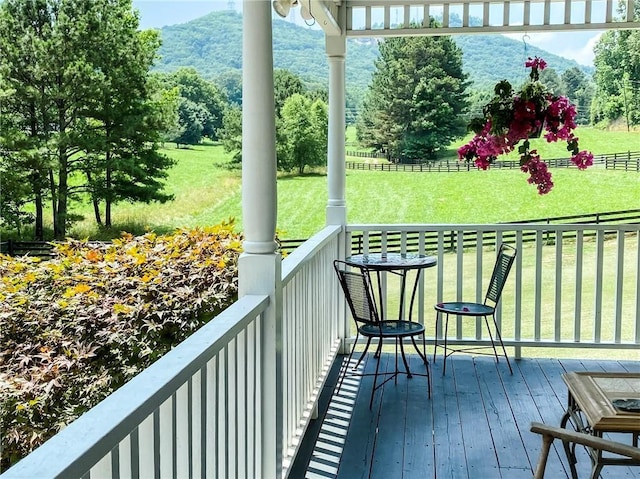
(511, 117)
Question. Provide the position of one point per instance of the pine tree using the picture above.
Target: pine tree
(416, 98)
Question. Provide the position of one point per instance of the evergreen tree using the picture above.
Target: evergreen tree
(579, 89)
(417, 95)
(285, 84)
(552, 81)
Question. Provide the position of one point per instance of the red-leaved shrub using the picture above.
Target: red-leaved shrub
(75, 328)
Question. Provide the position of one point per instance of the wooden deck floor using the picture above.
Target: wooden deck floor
(475, 426)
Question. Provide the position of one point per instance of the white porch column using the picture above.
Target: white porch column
(336, 173)
(260, 265)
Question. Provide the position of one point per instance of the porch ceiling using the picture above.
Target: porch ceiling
(383, 18)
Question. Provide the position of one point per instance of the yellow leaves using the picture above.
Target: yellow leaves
(235, 245)
(149, 276)
(120, 308)
(19, 301)
(17, 267)
(29, 277)
(77, 289)
(82, 288)
(138, 257)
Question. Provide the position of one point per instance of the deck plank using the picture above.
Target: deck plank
(418, 460)
(388, 453)
(500, 416)
(360, 442)
(480, 452)
(449, 455)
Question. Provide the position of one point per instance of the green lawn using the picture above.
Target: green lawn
(207, 190)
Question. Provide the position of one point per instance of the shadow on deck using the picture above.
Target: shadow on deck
(475, 426)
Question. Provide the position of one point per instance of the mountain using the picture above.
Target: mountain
(491, 58)
(212, 44)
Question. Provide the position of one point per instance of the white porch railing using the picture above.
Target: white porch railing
(381, 18)
(311, 332)
(196, 411)
(571, 286)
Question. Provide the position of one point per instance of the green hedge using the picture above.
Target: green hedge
(75, 328)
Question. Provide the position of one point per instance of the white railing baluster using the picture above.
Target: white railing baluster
(619, 291)
(460, 292)
(145, 447)
(557, 330)
(182, 444)
(211, 419)
(499, 241)
(577, 317)
(636, 323)
(166, 438)
(478, 285)
(102, 468)
(597, 316)
(127, 451)
(537, 305)
(197, 405)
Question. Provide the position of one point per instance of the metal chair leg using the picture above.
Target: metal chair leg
(446, 333)
(435, 337)
(375, 380)
(366, 348)
(499, 336)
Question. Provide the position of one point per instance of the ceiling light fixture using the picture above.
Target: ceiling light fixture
(282, 7)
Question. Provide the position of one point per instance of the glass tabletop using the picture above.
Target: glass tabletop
(392, 261)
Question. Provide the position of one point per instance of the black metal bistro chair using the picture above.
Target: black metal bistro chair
(356, 285)
(504, 261)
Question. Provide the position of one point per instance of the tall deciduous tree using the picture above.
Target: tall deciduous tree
(78, 102)
(231, 132)
(617, 77)
(201, 107)
(303, 132)
(416, 98)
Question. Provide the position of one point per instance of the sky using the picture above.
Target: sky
(577, 45)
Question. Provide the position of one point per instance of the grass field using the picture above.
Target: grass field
(207, 190)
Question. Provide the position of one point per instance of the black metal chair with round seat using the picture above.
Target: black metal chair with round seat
(504, 261)
(358, 292)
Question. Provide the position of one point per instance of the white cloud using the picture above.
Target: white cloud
(576, 46)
